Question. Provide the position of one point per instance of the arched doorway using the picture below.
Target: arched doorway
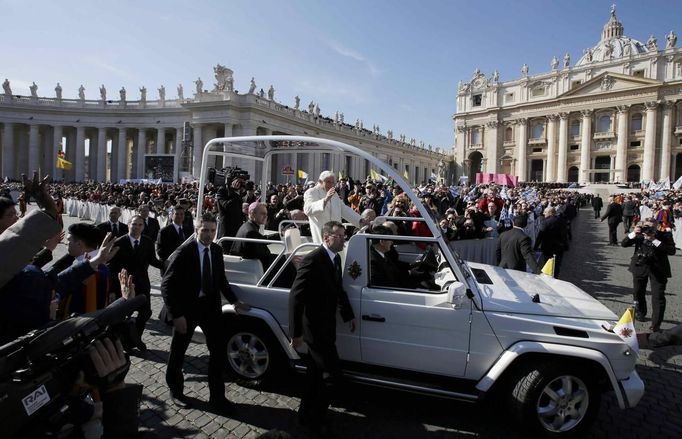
(573, 174)
(476, 163)
(633, 173)
(602, 162)
(536, 169)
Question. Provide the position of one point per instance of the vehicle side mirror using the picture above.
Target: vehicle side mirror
(457, 294)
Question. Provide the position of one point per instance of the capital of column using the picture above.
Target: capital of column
(586, 113)
(493, 124)
(668, 105)
(622, 109)
(461, 128)
(521, 121)
(552, 117)
(563, 115)
(651, 105)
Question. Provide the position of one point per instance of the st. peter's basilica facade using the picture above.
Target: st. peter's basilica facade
(615, 115)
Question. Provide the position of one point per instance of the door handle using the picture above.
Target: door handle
(373, 318)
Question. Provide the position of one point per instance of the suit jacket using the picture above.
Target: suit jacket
(229, 211)
(136, 263)
(181, 282)
(514, 251)
(657, 263)
(252, 250)
(319, 214)
(597, 203)
(151, 228)
(105, 228)
(169, 240)
(388, 271)
(315, 297)
(552, 236)
(614, 213)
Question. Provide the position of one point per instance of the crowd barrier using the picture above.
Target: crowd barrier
(99, 213)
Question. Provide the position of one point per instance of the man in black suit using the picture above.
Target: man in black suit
(386, 270)
(597, 204)
(229, 200)
(171, 236)
(191, 287)
(315, 297)
(117, 228)
(551, 239)
(136, 254)
(614, 213)
(514, 249)
(151, 225)
(650, 263)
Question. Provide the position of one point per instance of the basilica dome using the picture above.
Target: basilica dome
(613, 44)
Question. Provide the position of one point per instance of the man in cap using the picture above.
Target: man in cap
(321, 204)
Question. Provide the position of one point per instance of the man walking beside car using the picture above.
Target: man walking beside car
(514, 249)
(315, 297)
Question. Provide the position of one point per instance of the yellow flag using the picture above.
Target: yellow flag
(340, 175)
(64, 164)
(302, 174)
(373, 174)
(548, 269)
(625, 329)
(406, 174)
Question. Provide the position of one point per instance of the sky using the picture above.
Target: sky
(393, 63)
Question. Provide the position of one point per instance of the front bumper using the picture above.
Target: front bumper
(632, 390)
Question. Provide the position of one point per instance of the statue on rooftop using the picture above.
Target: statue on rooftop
(524, 69)
(162, 94)
(297, 102)
(200, 86)
(6, 87)
(261, 93)
(671, 40)
(311, 107)
(58, 91)
(652, 44)
(143, 94)
(495, 77)
(252, 87)
(567, 60)
(122, 93)
(181, 96)
(103, 93)
(341, 118)
(555, 63)
(81, 93)
(34, 90)
(271, 93)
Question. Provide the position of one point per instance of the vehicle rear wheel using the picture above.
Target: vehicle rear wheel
(253, 356)
(556, 400)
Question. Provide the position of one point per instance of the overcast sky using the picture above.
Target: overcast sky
(395, 63)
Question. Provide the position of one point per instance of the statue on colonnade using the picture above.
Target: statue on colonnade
(34, 90)
(567, 60)
(261, 93)
(122, 93)
(495, 77)
(317, 110)
(58, 91)
(252, 87)
(297, 102)
(652, 44)
(181, 96)
(671, 40)
(162, 95)
(143, 95)
(311, 107)
(81, 93)
(524, 69)
(200, 86)
(103, 93)
(341, 118)
(6, 87)
(271, 93)
(555, 63)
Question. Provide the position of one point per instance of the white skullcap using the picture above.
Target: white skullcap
(325, 175)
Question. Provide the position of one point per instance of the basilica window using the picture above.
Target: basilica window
(477, 100)
(635, 144)
(538, 131)
(476, 136)
(636, 122)
(574, 84)
(604, 124)
(574, 147)
(639, 73)
(508, 98)
(538, 90)
(575, 128)
(509, 134)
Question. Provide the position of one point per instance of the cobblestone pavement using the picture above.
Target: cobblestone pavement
(368, 412)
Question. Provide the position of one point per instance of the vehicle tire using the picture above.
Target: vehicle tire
(555, 400)
(254, 357)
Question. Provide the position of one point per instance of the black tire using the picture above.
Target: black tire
(555, 400)
(254, 357)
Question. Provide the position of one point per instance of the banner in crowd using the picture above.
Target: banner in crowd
(140, 180)
(500, 179)
(160, 166)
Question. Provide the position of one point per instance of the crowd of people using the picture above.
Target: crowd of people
(106, 261)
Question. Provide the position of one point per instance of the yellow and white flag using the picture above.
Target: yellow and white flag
(406, 175)
(64, 164)
(548, 269)
(302, 175)
(625, 329)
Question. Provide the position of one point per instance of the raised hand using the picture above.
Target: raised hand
(105, 252)
(127, 285)
(38, 190)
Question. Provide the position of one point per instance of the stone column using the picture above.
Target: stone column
(491, 140)
(121, 154)
(227, 161)
(198, 143)
(57, 134)
(177, 153)
(101, 174)
(550, 174)
(561, 176)
(666, 140)
(622, 144)
(522, 150)
(459, 147)
(33, 149)
(161, 140)
(79, 163)
(8, 148)
(141, 151)
(649, 158)
(585, 146)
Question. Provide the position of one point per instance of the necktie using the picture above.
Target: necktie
(136, 244)
(206, 274)
(181, 234)
(114, 228)
(337, 266)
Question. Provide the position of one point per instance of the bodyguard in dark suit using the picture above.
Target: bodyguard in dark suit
(551, 239)
(597, 204)
(136, 254)
(116, 228)
(151, 225)
(171, 236)
(614, 213)
(514, 249)
(316, 296)
(650, 263)
(386, 270)
(191, 287)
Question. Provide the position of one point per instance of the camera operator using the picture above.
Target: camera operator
(650, 263)
(229, 198)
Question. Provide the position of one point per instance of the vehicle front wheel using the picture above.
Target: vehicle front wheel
(556, 400)
(253, 357)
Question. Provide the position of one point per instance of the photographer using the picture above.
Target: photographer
(650, 263)
(229, 198)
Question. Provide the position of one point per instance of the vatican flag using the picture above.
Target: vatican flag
(625, 329)
(406, 175)
(548, 269)
(302, 175)
(64, 164)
